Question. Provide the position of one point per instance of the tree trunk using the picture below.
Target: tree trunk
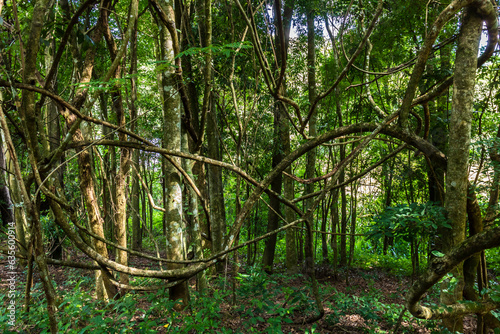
(324, 220)
(288, 189)
(492, 209)
(108, 188)
(335, 225)
(273, 216)
(136, 218)
(144, 203)
(352, 238)
(215, 187)
(120, 227)
(173, 216)
(458, 156)
(311, 87)
(6, 207)
(18, 213)
(343, 196)
(193, 216)
(135, 194)
(388, 241)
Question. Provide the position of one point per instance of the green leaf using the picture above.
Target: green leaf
(437, 253)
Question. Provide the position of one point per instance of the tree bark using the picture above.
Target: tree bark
(459, 143)
(288, 188)
(173, 216)
(215, 187)
(6, 207)
(22, 232)
(121, 184)
(135, 193)
(311, 87)
(273, 216)
(193, 216)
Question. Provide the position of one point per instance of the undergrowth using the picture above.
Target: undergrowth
(264, 304)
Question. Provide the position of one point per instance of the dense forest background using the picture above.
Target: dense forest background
(249, 166)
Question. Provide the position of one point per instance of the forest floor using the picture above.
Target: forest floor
(356, 300)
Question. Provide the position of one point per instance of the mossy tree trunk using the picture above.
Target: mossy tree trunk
(458, 153)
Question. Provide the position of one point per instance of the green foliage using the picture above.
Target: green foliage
(226, 49)
(260, 293)
(370, 308)
(408, 221)
(50, 228)
(84, 314)
(400, 265)
(493, 292)
(493, 259)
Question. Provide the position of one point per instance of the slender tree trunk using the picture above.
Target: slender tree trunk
(215, 187)
(343, 208)
(352, 238)
(343, 195)
(144, 203)
(53, 135)
(491, 211)
(311, 87)
(291, 235)
(324, 220)
(488, 320)
(209, 117)
(109, 172)
(150, 205)
(136, 218)
(200, 124)
(388, 241)
(458, 155)
(135, 194)
(288, 189)
(31, 211)
(6, 207)
(335, 224)
(193, 216)
(22, 233)
(104, 288)
(120, 227)
(273, 216)
(280, 131)
(173, 216)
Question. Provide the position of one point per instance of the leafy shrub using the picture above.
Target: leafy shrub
(409, 221)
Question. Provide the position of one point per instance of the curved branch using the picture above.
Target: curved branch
(368, 93)
(394, 132)
(166, 153)
(354, 178)
(448, 13)
(53, 68)
(440, 267)
(487, 11)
